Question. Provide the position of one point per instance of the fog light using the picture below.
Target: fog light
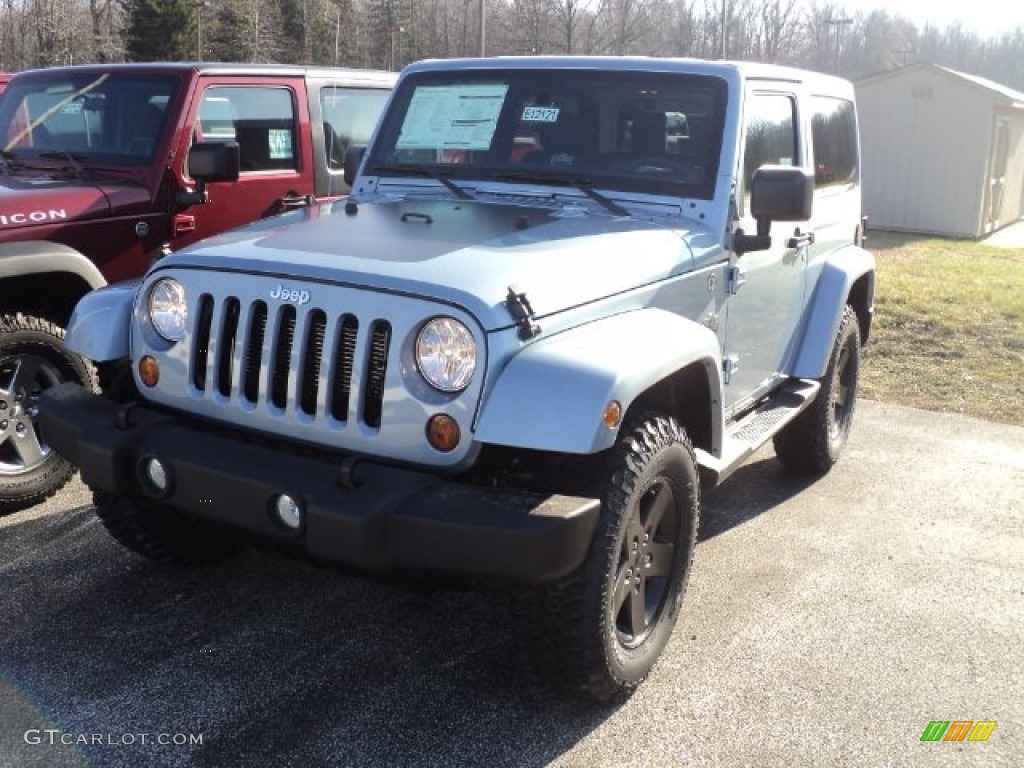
(443, 432)
(288, 511)
(156, 474)
(149, 371)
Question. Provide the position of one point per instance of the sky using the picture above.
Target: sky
(987, 18)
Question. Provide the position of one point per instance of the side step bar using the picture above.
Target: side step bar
(755, 429)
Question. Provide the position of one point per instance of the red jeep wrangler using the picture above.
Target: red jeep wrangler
(95, 183)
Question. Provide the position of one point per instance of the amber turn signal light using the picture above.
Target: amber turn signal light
(149, 371)
(612, 415)
(443, 432)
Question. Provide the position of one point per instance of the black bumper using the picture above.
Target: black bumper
(373, 517)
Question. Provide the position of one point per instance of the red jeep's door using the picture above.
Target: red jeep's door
(269, 120)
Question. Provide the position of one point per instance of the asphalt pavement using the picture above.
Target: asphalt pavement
(827, 624)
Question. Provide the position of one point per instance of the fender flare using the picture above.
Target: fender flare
(41, 257)
(552, 394)
(825, 310)
(100, 326)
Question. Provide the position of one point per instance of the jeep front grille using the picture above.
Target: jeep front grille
(288, 356)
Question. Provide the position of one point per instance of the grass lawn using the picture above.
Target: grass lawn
(948, 333)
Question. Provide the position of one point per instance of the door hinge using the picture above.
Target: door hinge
(735, 277)
(730, 365)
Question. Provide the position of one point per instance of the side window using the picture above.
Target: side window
(261, 120)
(770, 134)
(834, 135)
(350, 115)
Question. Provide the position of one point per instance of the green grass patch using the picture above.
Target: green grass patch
(948, 333)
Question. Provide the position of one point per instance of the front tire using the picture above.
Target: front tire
(32, 359)
(161, 535)
(815, 439)
(603, 628)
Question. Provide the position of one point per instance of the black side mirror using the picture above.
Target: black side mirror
(353, 157)
(210, 161)
(782, 193)
(777, 193)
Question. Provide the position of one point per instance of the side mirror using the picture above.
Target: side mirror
(777, 193)
(353, 157)
(781, 193)
(210, 161)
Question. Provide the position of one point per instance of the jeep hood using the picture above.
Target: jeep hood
(461, 252)
(39, 201)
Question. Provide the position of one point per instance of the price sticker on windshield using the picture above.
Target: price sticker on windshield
(540, 115)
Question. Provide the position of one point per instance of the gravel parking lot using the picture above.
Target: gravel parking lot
(827, 624)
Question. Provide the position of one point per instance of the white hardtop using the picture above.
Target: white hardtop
(732, 71)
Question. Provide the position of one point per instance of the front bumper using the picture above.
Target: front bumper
(363, 514)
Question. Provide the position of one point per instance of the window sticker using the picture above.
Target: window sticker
(452, 117)
(540, 115)
(279, 142)
(72, 108)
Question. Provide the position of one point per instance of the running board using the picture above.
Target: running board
(755, 429)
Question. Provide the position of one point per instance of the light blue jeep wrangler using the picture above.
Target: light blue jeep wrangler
(566, 294)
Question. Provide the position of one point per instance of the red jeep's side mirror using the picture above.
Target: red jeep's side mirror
(210, 161)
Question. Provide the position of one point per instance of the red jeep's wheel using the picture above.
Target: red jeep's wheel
(32, 358)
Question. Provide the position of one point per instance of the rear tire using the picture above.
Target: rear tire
(32, 358)
(815, 439)
(600, 631)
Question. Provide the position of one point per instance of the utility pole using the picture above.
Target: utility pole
(199, 5)
(483, 28)
(725, 26)
(839, 24)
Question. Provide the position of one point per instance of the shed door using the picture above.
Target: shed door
(997, 181)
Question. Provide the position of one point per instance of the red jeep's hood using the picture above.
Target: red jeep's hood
(38, 201)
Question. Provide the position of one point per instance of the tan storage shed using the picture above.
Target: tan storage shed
(942, 152)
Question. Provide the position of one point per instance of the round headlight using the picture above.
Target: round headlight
(446, 354)
(167, 309)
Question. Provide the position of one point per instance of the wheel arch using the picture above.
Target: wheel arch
(45, 279)
(691, 395)
(847, 278)
(562, 384)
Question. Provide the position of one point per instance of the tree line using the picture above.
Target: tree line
(387, 34)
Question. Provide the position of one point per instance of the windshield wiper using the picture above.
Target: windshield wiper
(74, 160)
(583, 185)
(423, 170)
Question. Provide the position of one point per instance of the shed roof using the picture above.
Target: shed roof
(1002, 93)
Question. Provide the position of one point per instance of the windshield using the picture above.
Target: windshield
(107, 118)
(631, 131)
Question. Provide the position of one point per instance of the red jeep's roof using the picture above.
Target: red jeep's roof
(219, 68)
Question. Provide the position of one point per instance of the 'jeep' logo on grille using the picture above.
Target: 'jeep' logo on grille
(290, 294)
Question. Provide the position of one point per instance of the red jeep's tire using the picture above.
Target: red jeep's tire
(32, 358)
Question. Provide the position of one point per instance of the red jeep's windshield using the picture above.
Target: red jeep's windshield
(115, 118)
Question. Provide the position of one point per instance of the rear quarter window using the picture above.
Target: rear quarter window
(834, 141)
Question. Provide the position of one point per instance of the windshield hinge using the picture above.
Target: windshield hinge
(519, 307)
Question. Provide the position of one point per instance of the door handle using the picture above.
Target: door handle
(800, 239)
(184, 222)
